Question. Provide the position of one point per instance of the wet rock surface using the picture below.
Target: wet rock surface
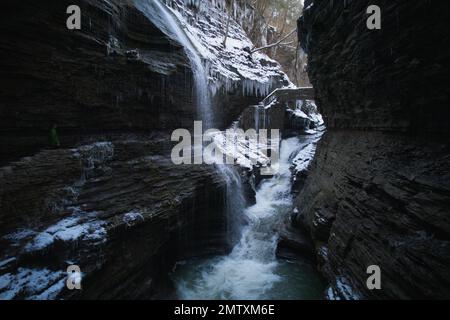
(294, 243)
(390, 79)
(124, 214)
(375, 196)
(109, 200)
(119, 73)
(87, 81)
(389, 207)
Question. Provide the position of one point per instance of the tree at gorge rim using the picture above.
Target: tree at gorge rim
(281, 29)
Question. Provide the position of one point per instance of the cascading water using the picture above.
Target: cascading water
(164, 19)
(252, 270)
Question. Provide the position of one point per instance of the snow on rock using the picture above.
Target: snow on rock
(16, 237)
(342, 290)
(5, 263)
(306, 154)
(304, 158)
(205, 23)
(246, 151)
(32, 284)
(307, 109)
(79, 227)
(132, 218)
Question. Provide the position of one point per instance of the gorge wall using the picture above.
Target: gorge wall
(119, 73)
(378, 192)
(110, 199)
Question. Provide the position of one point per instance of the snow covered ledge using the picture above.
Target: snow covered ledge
(229, 62)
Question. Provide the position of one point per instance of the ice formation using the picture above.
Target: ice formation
(229, 65)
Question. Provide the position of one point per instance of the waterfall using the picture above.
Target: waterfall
(166, 20)
(260, 117)
(162, 16)
(251, 270)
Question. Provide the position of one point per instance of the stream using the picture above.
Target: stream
(252, 271)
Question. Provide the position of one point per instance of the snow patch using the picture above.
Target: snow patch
(71, 229)
(304, 157)
(132, 218)
(227, 65)
(246, 152)
(342, 290)
(32, 284)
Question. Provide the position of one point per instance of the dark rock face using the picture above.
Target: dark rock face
(381, 199)
(120, 210)
(87, 81)
(119, 73)
(378, 191)
(394, 78)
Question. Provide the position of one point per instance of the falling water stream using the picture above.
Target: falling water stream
(160, 15)
(251, 270)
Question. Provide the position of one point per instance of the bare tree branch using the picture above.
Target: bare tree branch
(279, 42)
(227, 31)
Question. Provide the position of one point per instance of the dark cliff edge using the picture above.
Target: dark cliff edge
(378, 192)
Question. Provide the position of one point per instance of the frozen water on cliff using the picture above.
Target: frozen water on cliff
(93, 156)
(167, 21)
(228, 63)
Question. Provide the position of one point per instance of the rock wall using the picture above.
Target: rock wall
(118, 73)
(378, 190)
(119, 209)
(110, 199)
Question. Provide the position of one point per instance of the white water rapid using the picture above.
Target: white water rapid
(252, 270)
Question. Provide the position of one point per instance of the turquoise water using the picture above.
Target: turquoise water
(252, 271)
